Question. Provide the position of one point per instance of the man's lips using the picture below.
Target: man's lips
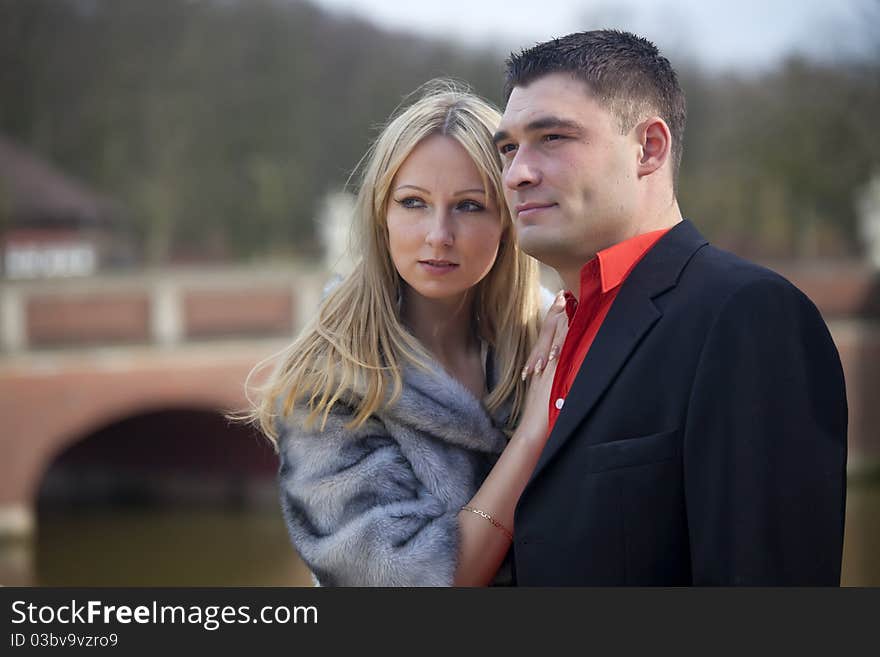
(525, 209)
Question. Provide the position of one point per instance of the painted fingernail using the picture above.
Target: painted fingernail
(525, 372)
(554, 352)
(539, 366)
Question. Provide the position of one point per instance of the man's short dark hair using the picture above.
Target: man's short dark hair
(626, 74)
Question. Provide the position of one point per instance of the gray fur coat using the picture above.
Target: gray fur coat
(378, 506)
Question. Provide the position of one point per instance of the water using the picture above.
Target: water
(861, 543)
(167, 548)
(247, 547)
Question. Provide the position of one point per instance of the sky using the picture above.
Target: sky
(717, 34)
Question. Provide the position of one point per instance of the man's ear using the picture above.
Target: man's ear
(655, 141)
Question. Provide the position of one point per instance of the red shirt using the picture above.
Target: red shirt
(601, 280)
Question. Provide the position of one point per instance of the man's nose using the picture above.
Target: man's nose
(440, 231)
(521, 172)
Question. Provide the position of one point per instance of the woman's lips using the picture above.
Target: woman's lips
(438, 267)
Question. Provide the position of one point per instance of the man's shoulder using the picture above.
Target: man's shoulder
(685, 261)
(724, 273)
(719, 282)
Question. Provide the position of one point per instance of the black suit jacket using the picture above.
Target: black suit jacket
(703, 440)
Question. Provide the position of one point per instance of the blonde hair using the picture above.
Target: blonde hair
(353, 350)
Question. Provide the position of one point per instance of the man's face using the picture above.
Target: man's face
(569, 175)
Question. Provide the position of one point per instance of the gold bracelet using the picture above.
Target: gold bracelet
(485, 515)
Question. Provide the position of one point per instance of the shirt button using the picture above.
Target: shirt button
(559, 403)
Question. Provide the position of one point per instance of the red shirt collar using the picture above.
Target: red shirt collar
(611, 266)
(616, 262)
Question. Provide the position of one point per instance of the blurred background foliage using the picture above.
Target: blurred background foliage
(219, 126)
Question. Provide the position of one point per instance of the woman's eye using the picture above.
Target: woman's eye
(412, 202)
(470, 206)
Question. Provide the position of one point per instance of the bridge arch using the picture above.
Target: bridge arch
(50, 405)
(169, 496)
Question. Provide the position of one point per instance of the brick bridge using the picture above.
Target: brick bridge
(79, 355)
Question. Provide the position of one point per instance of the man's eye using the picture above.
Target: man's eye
(412, 202)
(552, 137)
(505, 149)
(470, 206)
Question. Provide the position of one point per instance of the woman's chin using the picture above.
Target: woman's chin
(440, 293)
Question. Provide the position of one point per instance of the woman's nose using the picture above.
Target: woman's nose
(440, 231)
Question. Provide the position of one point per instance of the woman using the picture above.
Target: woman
(391, 409)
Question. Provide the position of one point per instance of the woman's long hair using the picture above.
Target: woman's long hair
(353, 350)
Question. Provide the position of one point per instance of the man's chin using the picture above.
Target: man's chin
(540, 243)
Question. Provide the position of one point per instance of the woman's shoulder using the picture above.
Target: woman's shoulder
(431, 407)
(335, 423)
(434, 403)
(546, 299)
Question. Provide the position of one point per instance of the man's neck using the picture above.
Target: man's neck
(669, 217)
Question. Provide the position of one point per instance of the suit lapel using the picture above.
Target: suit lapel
(631, 317)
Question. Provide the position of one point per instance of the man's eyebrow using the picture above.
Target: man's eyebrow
(544, 123)
(501, 135)
(554, 122)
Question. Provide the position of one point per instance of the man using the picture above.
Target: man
(698, 411)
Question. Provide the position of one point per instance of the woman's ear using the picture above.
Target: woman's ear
(655, 142)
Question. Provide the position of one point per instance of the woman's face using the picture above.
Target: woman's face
(443, 226)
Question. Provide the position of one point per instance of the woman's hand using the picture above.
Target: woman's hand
(550, 338)
(544, 359)
(481, 546)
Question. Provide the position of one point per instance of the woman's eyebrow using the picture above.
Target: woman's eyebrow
(416, 187)
(473, 190)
